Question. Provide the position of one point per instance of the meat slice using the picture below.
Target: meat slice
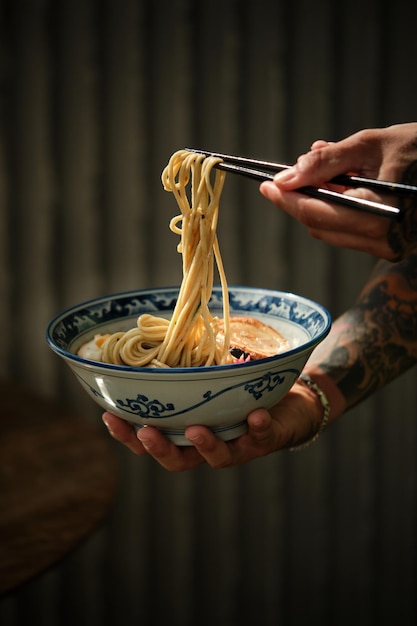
(254, 338)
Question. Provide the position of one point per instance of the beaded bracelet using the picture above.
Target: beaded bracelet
(326, 407)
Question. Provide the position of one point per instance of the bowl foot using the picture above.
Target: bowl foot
(226, 433)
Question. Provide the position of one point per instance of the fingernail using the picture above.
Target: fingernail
(197, 439)
(107, 425)
(285, 176)
(258, 422)
(267, 188)
(148, 445)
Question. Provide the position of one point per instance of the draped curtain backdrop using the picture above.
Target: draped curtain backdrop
(95, 97)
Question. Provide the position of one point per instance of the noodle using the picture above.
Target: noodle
(189, 338)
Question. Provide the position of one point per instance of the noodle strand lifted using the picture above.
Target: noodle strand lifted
(190, 337)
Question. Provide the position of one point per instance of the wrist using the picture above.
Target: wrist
(320, 399)
(333, 394)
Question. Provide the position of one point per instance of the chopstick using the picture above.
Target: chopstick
(254, 168)
(342, 179)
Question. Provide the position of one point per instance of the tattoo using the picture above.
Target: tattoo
(376, 340)
(402, 235)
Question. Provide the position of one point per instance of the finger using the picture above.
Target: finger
(335, 224)
(166, 453)
(215, 451)
(260, 427)
(319, 214)
(320, 143)
(263, 437)
(326, 161)
(375, 247)
(313, 168)
(123, 432)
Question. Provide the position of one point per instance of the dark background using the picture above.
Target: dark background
(95, 97)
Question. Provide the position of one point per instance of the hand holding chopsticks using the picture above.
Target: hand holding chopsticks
(266, 170)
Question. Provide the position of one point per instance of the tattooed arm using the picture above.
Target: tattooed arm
(375, 340)
(388, 154)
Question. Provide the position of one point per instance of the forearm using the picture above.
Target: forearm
(374, 341)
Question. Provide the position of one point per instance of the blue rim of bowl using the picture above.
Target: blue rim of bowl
(308, 345)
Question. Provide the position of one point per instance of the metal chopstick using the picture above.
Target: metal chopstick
(370, 206)
(342, 179)
(377, 208)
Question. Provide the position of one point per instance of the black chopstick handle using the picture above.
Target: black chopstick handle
(377, 208)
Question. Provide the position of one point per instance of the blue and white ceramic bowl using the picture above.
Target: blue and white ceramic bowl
(219, 397)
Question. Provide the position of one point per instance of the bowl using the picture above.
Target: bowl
(171, 399)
